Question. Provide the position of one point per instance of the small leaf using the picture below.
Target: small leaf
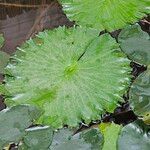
(4, 57)
(38, 138)
(139, 95)
(1, 40)
(86, 140)
(14, 121)
(111, 132)
(136, 44)
(105, 14)
(73, 75)
(134, 136)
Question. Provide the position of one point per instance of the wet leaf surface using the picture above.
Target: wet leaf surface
(90, 139)
(140, 95)
(37, 138)
(121, 115)
(134, 136)
(136, 44)
(14, 121)
(80, 63)
(110, 132)
(101, 15)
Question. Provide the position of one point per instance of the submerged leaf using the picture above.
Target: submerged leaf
(134, 136)
(140, 95)
(86, 140)
(14, 121)
(73, 75)
(111, 132)
(105, 14)
(37, 138)
(136, 44)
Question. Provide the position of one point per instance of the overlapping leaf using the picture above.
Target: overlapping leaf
(14, 121)
(72, 74)
(37, 138)
(136, 44)
(105, 14)
(134, 136)
(140, 95)
(89, 140)
(111, 132)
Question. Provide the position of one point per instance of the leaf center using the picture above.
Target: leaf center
(70, 70)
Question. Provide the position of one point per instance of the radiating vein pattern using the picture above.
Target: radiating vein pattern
(47, 72)
(106, 14)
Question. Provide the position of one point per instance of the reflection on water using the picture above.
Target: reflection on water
(20, 20)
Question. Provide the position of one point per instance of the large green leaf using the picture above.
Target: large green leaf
(136, 44)
(140, 95)
(111, 132)
(72, 74)
(37, 138)
(134, 136)
(14, 121)
(86, 140)
(105, 14)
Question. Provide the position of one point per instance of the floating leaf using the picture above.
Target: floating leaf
(111, 132)
(73, 75)
(140, 95)
(134, 136)
(14, 121)
(37, 138)
(105, 14)
(88, 140)
(136, 44)
(4, 57)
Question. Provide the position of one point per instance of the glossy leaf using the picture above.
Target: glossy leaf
(67, 73)
(134, 136)
(136, 44)
(14, 121)
(37, 138)
(111, 132)
(140, 95)
(88, 140)
(105, 14)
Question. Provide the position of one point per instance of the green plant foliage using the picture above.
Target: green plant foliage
(111, 132)
(1, 40)
(90, 139)
(136, 44)
(134, 136)
(4, 57)
(140, 95)
(72, 74)
(37, 138)
(14, 121)
(105, 14)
